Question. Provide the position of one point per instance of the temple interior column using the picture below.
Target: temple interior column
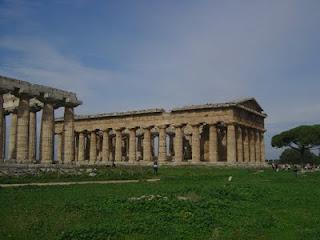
(23, 129)
(68, 135)
(132, 145)
(59, 147)
(33, 135)
(81, 147)
(262, 157)
(252, 145)
(213, 143)
(105, 146)
(257, 145)
(147, 144)
(231, 144)
(118, 150)
(171, 145)
(178, 144)
(162, 156)
(239, 145)
(93, 147)
(47, 133)
(195, 143)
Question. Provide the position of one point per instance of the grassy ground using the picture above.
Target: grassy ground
(188, 203)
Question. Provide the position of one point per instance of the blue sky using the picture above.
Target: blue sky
(122, 55)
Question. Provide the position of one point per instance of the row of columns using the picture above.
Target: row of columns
(243, 144)
(23, 132)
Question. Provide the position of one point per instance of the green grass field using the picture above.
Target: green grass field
(188, 203)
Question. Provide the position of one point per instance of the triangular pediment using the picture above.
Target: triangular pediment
(250, 103)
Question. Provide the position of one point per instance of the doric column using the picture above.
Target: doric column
(257, 145)
(162, 143)
(81, 147)
(68, 135)
(13, 137)
(147, 144)
(196, 143)
(47, 133)
(246, 150)
(4, 137)
(93, 147)
(59, 147)
(263, 158)
(132, 145)
(252, 146)
(1, 128)
(171, 145)
(213, 143)
(118, 150)
(239, 145)
(178, 143)
(105, 146)
(23, 129)
(33, 135)
(231, 144)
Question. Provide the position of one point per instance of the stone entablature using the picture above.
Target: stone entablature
(226, 133)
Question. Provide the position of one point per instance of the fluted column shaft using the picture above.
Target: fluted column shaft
(262, 158)
(1, 128)
(239, 145)
(147, 145)
(195, 143)
(68, 135)
(246, 150)
(105, 146)
(59, 147)
(132, 145)
(178, 144)
(162, 144)
(252, 145)
(257, 146)
(81, 147)
(13, 137)
(213, 143)
(231, 144)
(118, 150)
(93, 147)
(4, 135)
(32, 136)
(47, 133)
(23, 129)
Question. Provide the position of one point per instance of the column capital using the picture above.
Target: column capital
(119, 129)
(194, 125)
(148, 127)
(179, 125)
(163, 126)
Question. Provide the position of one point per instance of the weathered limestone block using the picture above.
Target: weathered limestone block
(132, 145)
(262, 159)
(195, 143)
(59, 148)
(23, 129)
(239, 145)
(47, 133)
(257, 146)
(68, 135)
(213, 143)
(231, 144)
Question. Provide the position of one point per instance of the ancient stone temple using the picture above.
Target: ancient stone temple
(212, 134)
(227, 134)
(22, 100)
